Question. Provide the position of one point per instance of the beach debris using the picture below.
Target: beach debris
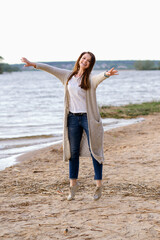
(15, 170)
(60, 191)
(65, 231)
(37, 171)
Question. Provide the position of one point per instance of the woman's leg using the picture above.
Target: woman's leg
(98, 171)
(75, 135)
(97, 166)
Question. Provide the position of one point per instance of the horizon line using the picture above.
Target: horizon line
(96, 60)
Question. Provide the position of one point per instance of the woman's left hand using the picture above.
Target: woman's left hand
(111, 72)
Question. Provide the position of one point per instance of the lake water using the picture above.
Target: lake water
(31, 107)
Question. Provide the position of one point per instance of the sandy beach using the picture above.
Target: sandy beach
(33, 193)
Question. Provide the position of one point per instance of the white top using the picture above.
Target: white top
(77, 96)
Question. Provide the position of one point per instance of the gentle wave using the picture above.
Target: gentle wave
(28, 137)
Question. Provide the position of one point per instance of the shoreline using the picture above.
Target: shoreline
(108, 124)
(33, 192)
(59, 146)
(26, 156)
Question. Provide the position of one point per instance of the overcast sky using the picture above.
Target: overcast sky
(59, 30)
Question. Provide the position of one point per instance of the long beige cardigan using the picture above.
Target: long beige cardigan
(94, 120)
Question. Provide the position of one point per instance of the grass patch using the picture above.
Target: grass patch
(130, 110)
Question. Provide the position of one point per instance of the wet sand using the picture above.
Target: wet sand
(33, 193)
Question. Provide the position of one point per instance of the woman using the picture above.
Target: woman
(83, 130)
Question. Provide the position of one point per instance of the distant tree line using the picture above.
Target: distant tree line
(119, 64)
(5, 67)
(100, 65)
(147, 65)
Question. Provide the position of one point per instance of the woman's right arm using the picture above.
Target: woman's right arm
(28, 63)
(61, 74)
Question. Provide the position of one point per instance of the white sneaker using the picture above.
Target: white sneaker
(72, 192)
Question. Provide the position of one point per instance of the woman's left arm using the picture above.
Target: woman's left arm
(97, 79)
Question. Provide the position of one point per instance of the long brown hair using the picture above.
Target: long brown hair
(85, 84)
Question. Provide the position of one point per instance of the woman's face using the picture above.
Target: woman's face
(85, 60)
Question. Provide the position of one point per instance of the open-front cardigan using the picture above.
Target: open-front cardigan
(94, 120)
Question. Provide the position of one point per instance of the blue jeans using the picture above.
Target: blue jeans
(76, 125)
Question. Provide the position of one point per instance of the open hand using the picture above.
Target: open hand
(111, 72)
(27, 62)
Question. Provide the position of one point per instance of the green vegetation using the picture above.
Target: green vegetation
(130, 110)
(4, 67)
(1, 68)
(147, 65)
